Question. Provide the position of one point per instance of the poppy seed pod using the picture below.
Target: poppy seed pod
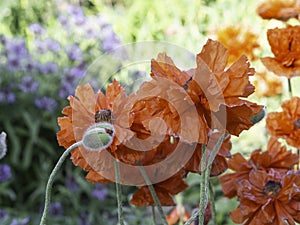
(99, 136)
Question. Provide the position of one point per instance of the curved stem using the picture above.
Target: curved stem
(119, 193)
(51, 180)
(153, 194)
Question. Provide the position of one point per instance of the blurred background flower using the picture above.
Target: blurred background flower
(5, 172)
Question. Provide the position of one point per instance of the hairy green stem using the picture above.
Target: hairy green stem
(203, 186)
(153, 215)
(119, 193)
(205, 174)
(153, 194)
(212, 204)
(51, 180)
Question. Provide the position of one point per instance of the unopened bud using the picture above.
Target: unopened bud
(3, 147)
(99, 136)
(258, 117)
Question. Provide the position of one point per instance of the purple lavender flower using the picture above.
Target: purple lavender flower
(46, 103)
(71, 184)
(13, 63)
(77, 14)
(110, 39)
(16, 47)
(100, 192)
(56, 209)
(37, 29)
(77, 72)
(66, 89)
(25, 221)
(74, 52)
(52, 45)
(3, 215)
(48, 67)
(28, 84)
(7, 96)
(5, 172)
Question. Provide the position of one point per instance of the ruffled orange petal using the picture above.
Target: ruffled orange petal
(164, 191)
(164, 66)
(65, 136)
(143, 198)
(276, 67)
(238, 113)
(214, 55)
(229, 182)
(285, 124)
(112, 92)
(280, 156)
(95, 177)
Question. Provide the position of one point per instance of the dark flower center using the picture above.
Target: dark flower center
(103, 116)
(297, 124)
(272, 188)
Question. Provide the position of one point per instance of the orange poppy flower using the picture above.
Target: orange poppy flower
(213, 89)
(268, 198)
(176, 214)
(267, 85)
(238, 40)
(164, 191)
(285, 45)
(219, 91)
(286, 124)
(275, 157)
(279, 9)
(219, 164)
(81, 114)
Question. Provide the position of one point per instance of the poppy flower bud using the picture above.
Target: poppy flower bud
(258, 117)
(99, 136)
(3, 147)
